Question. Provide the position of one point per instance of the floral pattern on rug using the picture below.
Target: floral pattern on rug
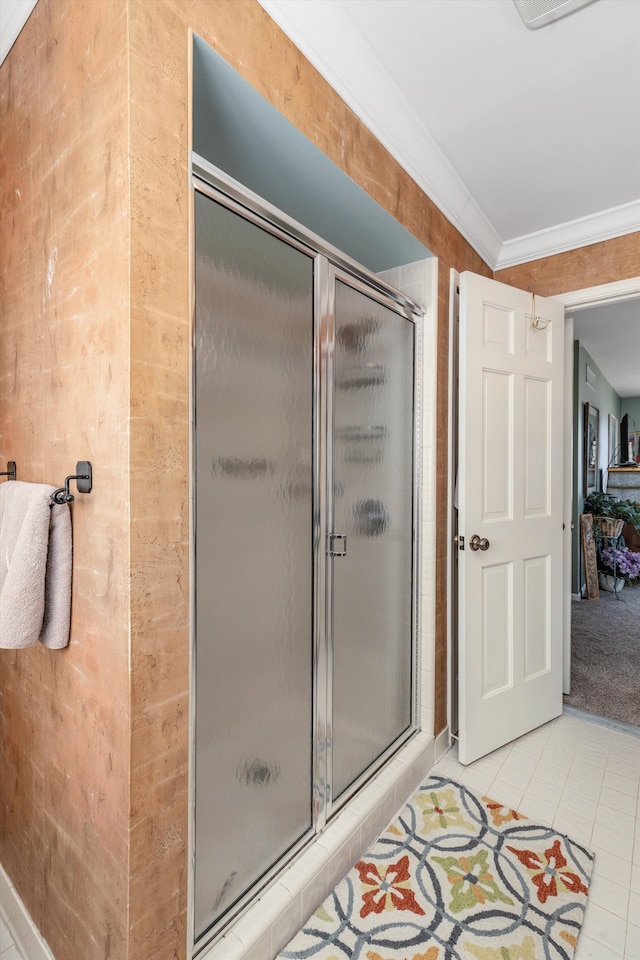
(454, 877)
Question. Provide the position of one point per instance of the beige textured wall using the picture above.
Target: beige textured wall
(64, 396)
(591, 266)
(94, 363)
(160, 360)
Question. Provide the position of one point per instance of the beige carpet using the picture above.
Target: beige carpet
(605, 655)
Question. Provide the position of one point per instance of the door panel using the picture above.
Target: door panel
(497, 628)
(498, 329)
(254, 547)
(536, 448)
(497, 450)
(537, 659)
(510, 593)
(373, 507)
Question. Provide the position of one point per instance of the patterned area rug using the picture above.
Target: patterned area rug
(454, 877)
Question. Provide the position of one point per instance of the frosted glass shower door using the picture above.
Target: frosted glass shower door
(253, 388)
(373, 506)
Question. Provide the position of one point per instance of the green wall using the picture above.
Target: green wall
(601, 395)
(631, 405)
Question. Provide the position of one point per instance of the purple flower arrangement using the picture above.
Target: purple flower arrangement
(627, 562)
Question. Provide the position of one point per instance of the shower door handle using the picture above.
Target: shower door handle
(337, 545)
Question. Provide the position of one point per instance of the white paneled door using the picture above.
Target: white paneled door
(510, 513)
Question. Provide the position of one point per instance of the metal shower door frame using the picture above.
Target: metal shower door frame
(370, 286)
(330, 265)
(328, 274)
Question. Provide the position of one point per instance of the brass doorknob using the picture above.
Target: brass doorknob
(479, 543)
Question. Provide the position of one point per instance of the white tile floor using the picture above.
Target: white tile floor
(583, 778)
(8, 949)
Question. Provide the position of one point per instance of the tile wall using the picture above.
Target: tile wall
(420, 282)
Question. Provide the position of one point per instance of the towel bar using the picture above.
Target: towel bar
(10, 472)
(84, 481)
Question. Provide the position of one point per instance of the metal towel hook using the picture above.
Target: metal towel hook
(84, 480)
(537, 323)
(10, 472)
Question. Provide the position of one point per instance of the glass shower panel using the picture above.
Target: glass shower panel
(373, 506)
(253, 387)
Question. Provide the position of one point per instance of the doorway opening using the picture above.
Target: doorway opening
(604, 655)
(572, 301)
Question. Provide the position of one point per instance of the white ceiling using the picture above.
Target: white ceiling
(13, 16)
(528, 140)
(611, 334)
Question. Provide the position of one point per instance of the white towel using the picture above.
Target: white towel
(35, 566)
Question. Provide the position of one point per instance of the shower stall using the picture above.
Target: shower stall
(305, 520)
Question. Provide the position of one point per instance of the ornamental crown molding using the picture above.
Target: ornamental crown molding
(326, 35)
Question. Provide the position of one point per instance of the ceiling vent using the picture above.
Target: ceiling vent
(535, 13)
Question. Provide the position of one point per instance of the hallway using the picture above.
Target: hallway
(605, 655)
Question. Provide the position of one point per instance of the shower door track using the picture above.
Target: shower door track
(330, 264)
(220, 186)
